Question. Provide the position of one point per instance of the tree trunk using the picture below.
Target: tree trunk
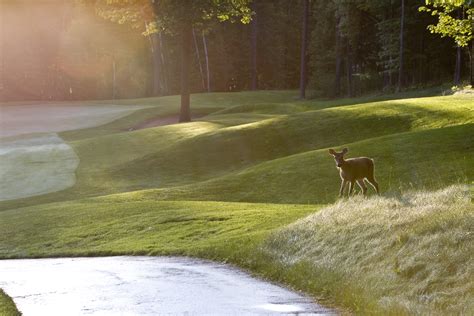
(199, 59)
(164, 71)
(390, 73)
(471, 58)
(349, 71)
(253, 48)
(402, 44)
(457, 68)
(304, 43)
(186, 43)
(421, 62)
(206, 55)
(156, 51)
(390, 57)
(114, 79)
(157, 54)
(337, 82)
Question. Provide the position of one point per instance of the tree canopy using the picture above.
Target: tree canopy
(130, 48)
(459, 27)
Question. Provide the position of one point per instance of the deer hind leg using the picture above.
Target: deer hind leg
(362, 186)
(341, 190)
(374, 183)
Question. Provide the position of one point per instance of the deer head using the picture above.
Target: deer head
(338, 157)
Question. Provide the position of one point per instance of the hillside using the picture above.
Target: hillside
(240, 142)
(249, 164)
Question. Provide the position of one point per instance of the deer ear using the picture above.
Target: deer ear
(345, 150)
(332, 152)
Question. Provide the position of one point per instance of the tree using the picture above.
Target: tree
(388, 40)
(337, 81)
(158, 77)
(304, 44)
(178, 18)
(206, 57)
(402, 46)
(198, 55)
(459, 27)
(253, 47)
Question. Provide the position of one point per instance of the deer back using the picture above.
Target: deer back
(357, 168)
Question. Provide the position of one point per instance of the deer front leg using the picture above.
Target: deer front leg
(343, 185)
(351, 187)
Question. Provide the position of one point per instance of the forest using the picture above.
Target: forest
(79, 50)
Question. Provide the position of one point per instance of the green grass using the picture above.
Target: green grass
(177, 155)
(402, 161)
(215, 151)
(254, 162)
(99, 226)
(7, 307)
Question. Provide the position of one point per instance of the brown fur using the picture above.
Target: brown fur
(354, 170)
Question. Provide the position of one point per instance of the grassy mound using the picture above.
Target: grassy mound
(427, 159)
(410, 254)
(224, 149)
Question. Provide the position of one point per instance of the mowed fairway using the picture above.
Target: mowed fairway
(251, 163)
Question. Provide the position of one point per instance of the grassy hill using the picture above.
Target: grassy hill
(250, 164)
(226, 150)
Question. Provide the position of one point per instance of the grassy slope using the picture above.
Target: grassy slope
(98, 227)
(410, 254)
(213, 149)
(209, 149)
(402, 161)
(253, 147)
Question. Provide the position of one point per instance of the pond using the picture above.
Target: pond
(144, 286)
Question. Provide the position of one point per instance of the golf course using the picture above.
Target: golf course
(250, 182)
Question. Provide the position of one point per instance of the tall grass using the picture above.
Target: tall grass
(406, 254)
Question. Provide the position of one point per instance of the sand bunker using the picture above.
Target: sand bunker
(36, 165)
(33, 159)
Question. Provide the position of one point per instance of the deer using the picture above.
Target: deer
(354, 170)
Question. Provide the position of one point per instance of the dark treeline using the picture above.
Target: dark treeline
(62, 50)
(356, 48)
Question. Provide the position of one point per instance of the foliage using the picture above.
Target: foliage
(167, 15)
(358, 42)
(353, 48)
(460, 27)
